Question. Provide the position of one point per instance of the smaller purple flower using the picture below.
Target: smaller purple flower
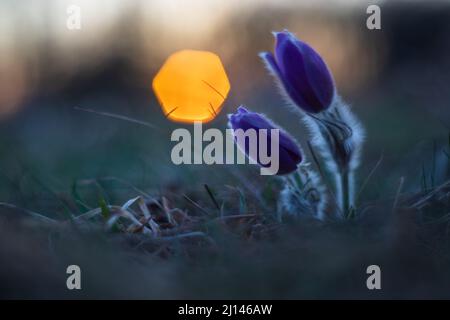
(289, 153)
(302, 73)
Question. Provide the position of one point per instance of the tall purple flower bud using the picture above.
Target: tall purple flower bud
(302, 73)
(289, 153)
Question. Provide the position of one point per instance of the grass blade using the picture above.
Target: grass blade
(117, 116)
(211, 195)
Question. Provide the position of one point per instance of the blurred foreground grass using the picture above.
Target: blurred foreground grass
(241, 252)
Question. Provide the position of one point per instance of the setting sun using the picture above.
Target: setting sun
(191, 86)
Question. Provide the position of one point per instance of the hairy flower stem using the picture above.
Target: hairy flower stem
(303, 195)
(338, 137)
(345, 193)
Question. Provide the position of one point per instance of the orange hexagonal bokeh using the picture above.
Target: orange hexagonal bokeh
(191, 86)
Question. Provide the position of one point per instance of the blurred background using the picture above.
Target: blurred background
(396, 79)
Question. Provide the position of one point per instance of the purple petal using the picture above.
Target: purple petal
(302, 72)
(319, 76)
(271, 64)
(291, 60)
(289, 152)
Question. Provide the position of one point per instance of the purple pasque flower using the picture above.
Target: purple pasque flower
(302, 73)
(289, 152)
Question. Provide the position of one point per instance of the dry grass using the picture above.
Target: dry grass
(148, 248)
